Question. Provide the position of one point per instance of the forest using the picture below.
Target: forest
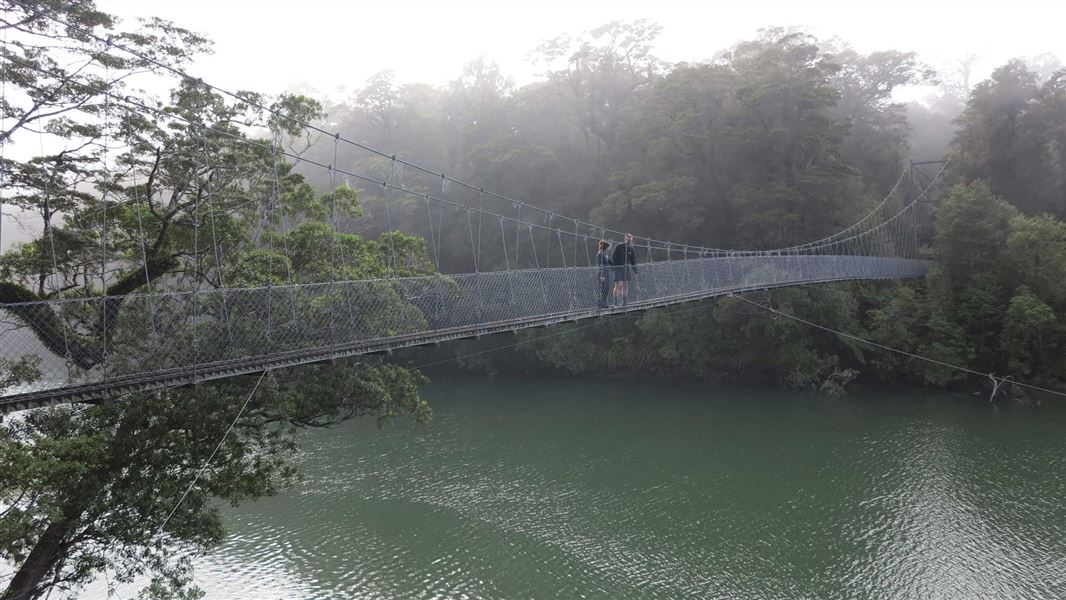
(772, 141)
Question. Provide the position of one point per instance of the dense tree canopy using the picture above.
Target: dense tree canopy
(178, 193)
(1012, 134)
(774, 141)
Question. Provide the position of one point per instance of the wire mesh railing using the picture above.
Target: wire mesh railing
(531, 266)
(85, 348)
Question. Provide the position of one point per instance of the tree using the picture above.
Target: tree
(604, 68)
(1030, 331)
(1011, 135)
(915, 320)
(49, 35)
(679, 178)
(876, 140)
(1034, 255)
(797, 187)
(90, 488)
(971, 229)
(988, 142)
(1044, 129)
(187, 199)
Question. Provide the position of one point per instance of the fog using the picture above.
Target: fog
(328, 45)
(329, 49)
(413, 173)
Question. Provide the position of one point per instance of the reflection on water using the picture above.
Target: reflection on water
(598, 489)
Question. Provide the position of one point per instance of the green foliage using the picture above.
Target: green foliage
(745, 152)
(724, 341)
(18, 372)
(779, 140)
(965, 314)
(946, 342)
(908, 319)
(1035, 253)
(260, 268)
(769, 346)
(100, 481)
(328, 207)
(1030, 333)
(571, 353)
(1011, 135)
(971, 230)
(198, 204)
(876, 140)
(978, 308)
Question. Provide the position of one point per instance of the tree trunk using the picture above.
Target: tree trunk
(47, 326)
(46, 552)
(50, 549)
(86, 352)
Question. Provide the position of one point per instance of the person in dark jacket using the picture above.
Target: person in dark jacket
(624, 261)
(603, 271)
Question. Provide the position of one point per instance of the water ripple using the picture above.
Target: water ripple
(590, 489)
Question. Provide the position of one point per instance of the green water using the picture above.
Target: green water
(532, 488)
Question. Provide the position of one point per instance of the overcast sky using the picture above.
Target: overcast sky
(332, 46)
(272, 45)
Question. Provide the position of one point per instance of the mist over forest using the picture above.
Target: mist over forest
(774, 141)
(148, 199)
(784, 129)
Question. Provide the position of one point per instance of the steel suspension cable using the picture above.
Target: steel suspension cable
(477, 260)
(3, 151)
(333, 245)
(302, 124)
(432, 237)
(216, 246)
(891, 349)
(140, 226)
(390, 260)
(543, 292)
(280, 231)
(473, 242)
(440, 217)
(362, 177)
(507, 261)
(197, 272)
(297, 159)
(517, 235)
(137, 202)
(871, 233)
(250, 102)
(268, 213)
(207, 463)
(880, 205)
(337, 233)
(49, 227)
(480, 214)
(103, 228)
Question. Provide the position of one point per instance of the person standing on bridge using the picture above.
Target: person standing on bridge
(603, 271)
(624, 261)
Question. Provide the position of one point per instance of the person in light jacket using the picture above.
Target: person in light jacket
(603, 271)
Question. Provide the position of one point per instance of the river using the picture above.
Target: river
(579, 488)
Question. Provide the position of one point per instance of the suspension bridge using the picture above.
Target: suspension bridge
(499, 264)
